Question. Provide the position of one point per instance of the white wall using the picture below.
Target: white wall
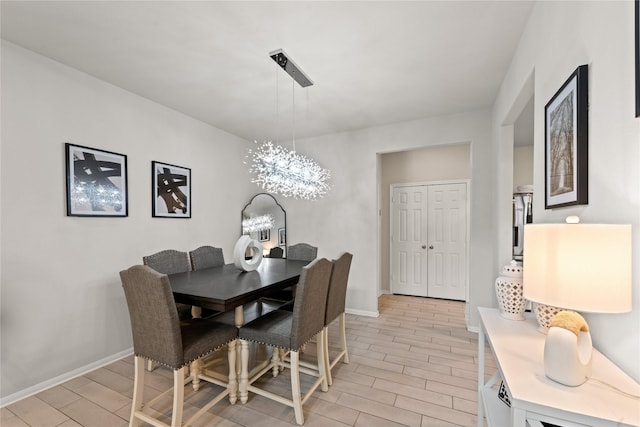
(347, 219)
(62, 303)
(522, 166)
(599, 34)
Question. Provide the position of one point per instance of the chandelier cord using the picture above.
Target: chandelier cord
(293, 110)
(277, 105)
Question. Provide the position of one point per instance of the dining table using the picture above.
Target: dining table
(227, 288)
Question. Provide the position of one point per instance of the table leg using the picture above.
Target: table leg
(239, 318)
(480, 375)
(195, 372)
(196, 312)
(244, 371)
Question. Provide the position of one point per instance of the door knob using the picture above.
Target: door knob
(430, 246)
(424, 246)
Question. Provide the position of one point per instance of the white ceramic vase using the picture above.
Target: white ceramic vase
(509, 292)
(240, 250)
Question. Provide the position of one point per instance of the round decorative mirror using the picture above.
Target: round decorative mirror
(264, 220)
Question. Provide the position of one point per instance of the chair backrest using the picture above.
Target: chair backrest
(154, 320)
(168, 261)
(205, 257)
(302, 252)
(310, 303)
(338, 287)
(276, 252)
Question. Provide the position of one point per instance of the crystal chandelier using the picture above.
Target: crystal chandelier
(278, 170)
(282, 171)
(258, 223)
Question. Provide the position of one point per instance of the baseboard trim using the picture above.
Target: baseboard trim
(35, 389)
(363, 312)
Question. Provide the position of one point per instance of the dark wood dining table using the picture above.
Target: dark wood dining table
(228, 288)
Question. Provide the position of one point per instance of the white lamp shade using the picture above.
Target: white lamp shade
(584, 267)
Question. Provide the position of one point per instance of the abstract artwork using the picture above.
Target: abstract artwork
(171, 189)
(96, 182)
(566, 143)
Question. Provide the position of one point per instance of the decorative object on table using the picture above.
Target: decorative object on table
(171, 191)
(240, 260)
(582, 267)
(509, 292)
(566, 143)
(96, 182)
(544, 313)
(503, 394)
(637, 37)
(283, 171)
(567, 349)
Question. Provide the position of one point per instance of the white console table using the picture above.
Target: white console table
(518, 349)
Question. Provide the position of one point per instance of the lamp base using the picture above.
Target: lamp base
(567, 357)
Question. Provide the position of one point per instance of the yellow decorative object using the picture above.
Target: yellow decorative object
(571, 321)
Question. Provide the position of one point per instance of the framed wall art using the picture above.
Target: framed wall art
(282, 237)
(637, 37)
(566, 143)
(171, 190)
(264, 235)
(96, 182)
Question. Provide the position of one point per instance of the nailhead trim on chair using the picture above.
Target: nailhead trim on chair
(188, 362)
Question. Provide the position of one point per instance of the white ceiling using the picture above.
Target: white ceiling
(372, 62)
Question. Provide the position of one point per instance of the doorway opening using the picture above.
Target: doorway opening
(427, 164)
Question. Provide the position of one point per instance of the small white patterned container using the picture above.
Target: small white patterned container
(509, 292)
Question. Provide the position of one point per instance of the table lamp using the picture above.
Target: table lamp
(582, 267)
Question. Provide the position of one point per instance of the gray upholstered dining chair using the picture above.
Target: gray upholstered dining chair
(290, 330)
(336, 298)
(159, 335)
(171, 261)
(205, 257)
(276, 252)
(302, 252)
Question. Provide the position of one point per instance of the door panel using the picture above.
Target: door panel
(447, 230)
(408, 236)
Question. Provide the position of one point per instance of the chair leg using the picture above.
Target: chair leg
(244, 371)
(343, 337)
(325, 349)
(138, 390)
(321, 359)
(150, 365)
(295, 386)
(233, 377)
(178, 397)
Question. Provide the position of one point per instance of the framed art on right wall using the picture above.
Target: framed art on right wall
(637, 43)
(566, 143)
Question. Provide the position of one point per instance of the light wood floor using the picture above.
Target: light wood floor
(415, 365)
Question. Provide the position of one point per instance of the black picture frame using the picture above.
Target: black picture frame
(96, 182)
(282, 237)
(566, 143)
(637, 43)
(171, 191)
(264, 235)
